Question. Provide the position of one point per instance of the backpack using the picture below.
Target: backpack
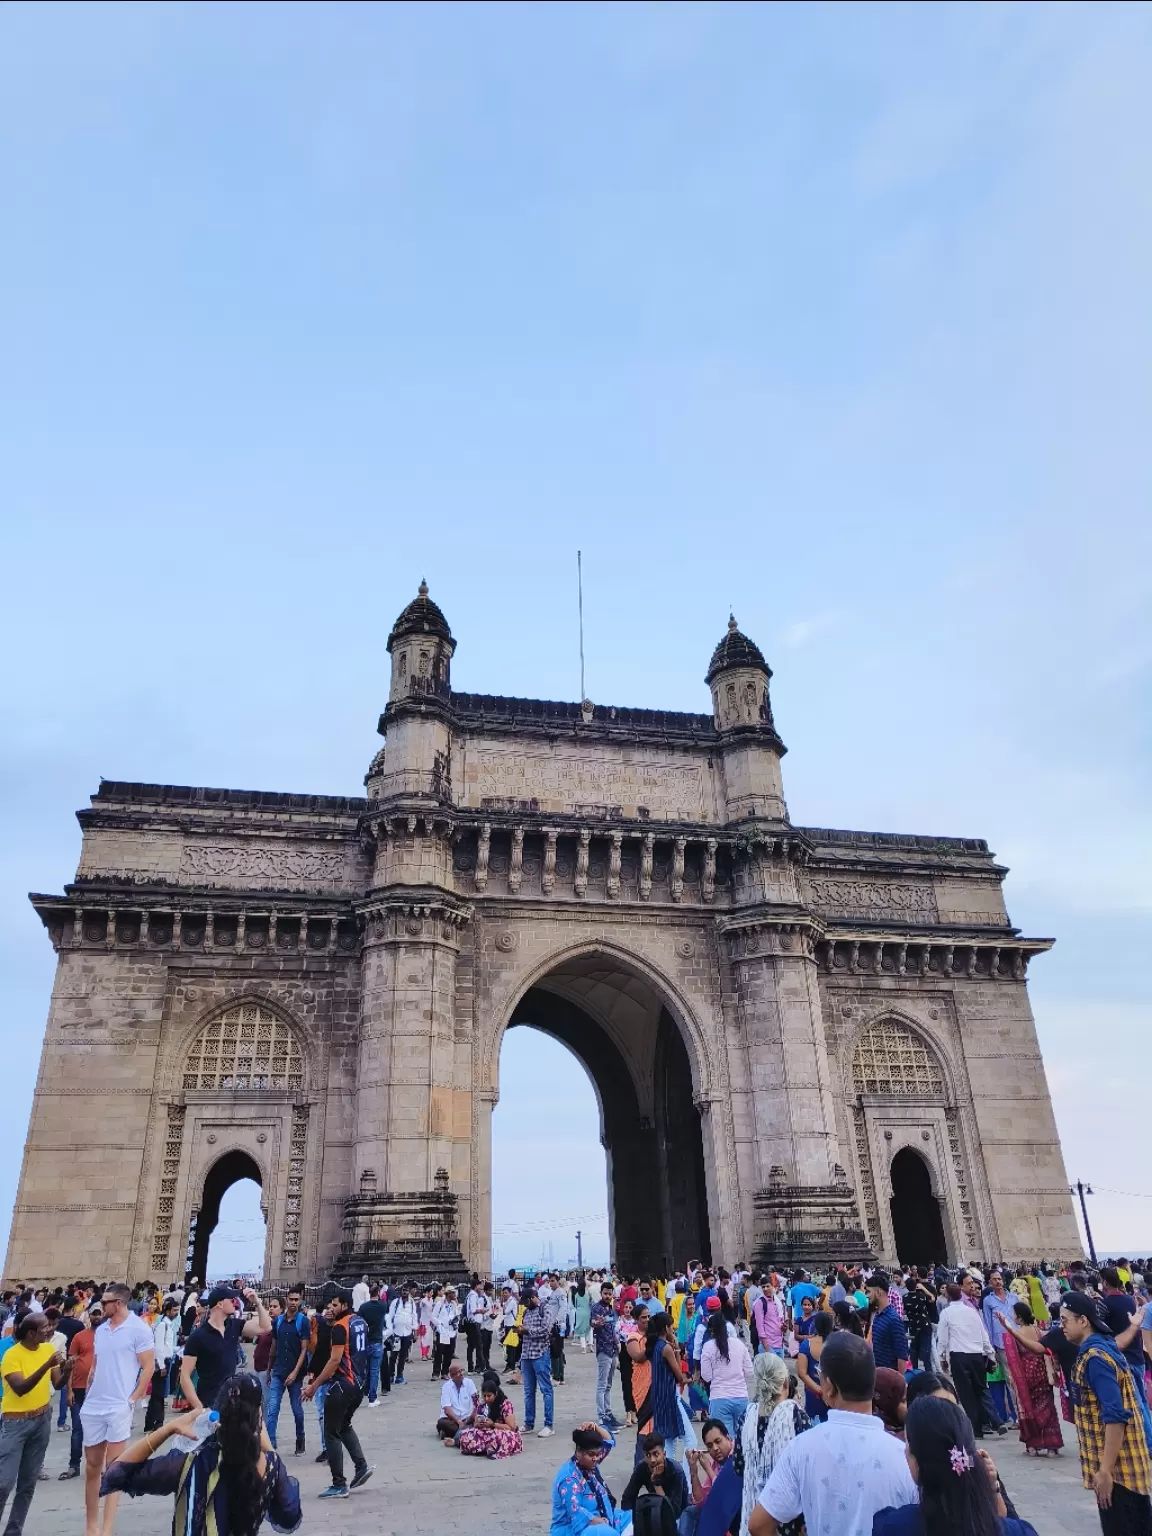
(652, 1516)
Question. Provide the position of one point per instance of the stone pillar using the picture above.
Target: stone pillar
(804, 1210)
(413, 1114)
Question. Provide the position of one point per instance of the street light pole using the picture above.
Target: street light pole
(1082, 1189)
(579, 1252)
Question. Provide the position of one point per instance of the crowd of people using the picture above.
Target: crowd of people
(853, 1401)
(856, 1401)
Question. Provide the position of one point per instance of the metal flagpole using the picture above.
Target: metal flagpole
(580, 600)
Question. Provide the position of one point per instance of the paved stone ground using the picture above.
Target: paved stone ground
(418, 1486)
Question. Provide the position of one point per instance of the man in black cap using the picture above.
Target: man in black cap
(213, 1348)
(1114, 1460)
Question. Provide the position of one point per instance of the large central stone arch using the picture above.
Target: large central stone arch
(646, 1053)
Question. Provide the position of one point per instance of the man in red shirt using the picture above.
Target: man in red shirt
(82, 1349)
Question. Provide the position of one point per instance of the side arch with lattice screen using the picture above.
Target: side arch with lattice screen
(890, 1058)
(246, 1047)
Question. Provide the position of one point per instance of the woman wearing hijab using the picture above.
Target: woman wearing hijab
(772, 1422)
(228, 1484)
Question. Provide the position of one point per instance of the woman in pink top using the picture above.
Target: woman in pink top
(726, 1368)
(768, 1323)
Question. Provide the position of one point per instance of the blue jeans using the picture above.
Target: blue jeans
(730, 1411)
(62, 1416)
(375, 1356)
(537, 1372)
(276, 1387)
(321, 1394)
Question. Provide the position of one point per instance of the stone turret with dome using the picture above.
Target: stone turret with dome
(421, 647)
(735, 650)
(739, 676)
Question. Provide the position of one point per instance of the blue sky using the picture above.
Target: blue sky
(838, 316)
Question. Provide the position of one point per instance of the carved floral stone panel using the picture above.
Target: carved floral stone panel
(275, 865)
(903, 902)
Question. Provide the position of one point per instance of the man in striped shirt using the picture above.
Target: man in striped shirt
(889, 1335)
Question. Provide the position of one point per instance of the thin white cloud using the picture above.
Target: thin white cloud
(804, 630)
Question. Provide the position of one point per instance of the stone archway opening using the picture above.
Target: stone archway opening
(549, 1173)
(615, 1022)
(235, 1168)
(917, 1223)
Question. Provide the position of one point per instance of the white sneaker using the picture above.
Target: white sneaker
(543, 1434)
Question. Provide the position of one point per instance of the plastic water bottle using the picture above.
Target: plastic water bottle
(203, 1425)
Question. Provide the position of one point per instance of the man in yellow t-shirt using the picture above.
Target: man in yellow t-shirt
(30, 1369)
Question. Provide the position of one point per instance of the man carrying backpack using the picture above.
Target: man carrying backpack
(290, 1334)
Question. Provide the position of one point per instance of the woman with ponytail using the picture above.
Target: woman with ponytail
(726, 1369)
(959, 1493)
(229, 1484)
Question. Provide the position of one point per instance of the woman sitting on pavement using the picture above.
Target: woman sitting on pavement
(580, 1496)
(493, 1432)
(228, 1484)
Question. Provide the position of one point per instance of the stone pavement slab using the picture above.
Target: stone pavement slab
(419, 1487)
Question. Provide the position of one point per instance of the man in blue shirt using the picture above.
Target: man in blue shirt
(889, 1335)
(603, 1320)
(291, 1332)
(1119, 1309)
(801, 1286)
(997, 1309)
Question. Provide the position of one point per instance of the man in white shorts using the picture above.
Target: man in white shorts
(124, 1353)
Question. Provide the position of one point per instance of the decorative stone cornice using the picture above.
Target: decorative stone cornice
(871, 954)
(429, 917)
(792, 932)
(229, 922)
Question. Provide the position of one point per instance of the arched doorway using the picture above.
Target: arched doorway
(549, 1174)
(618, 1026)
(228, 1170)
(917, 1224)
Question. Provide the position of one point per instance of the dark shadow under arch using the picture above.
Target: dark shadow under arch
(917, 1225)
(656, 1183)
(225, 1172)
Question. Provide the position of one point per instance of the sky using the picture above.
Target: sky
(837, 317)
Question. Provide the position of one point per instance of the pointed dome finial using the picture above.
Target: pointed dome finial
(422, 590)
(421, 617)
(735, 650)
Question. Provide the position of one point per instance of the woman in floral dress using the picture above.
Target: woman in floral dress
(494, 1434)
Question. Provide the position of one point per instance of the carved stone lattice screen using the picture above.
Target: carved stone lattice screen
(247, 1047)
(297, 1152)
(890, 1059)
(169, 1172)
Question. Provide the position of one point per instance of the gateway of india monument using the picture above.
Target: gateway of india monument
(806, 1044)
